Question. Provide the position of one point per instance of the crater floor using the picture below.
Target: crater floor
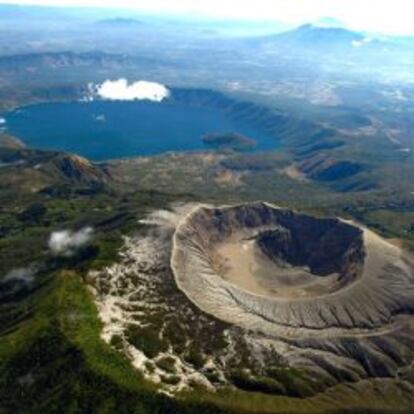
(245, 266)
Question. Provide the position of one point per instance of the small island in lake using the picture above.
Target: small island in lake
(229, 141)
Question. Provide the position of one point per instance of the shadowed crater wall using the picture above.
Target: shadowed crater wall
(324, 245)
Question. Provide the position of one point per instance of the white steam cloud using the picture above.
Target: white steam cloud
(2, 121)
(66, 242)
(360, 43)
(121, 90)
(24, 275)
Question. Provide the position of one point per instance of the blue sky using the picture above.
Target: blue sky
(387, 16)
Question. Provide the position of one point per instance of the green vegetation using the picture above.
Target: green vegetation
(229, 141)
(147, 340)
(56, 362)
(167, 364)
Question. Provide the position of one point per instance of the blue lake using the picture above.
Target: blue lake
(102, 130)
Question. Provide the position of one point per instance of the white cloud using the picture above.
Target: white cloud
(24, 275)
(2, 121)
(66, 242)
(360, 43)
(121, 90)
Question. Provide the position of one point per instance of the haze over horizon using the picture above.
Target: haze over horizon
(388, 17)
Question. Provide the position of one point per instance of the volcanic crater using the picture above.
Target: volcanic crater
(284, 273)
(323, 297)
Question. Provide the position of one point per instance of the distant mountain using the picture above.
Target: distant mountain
(318, 37)
(337, 50)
